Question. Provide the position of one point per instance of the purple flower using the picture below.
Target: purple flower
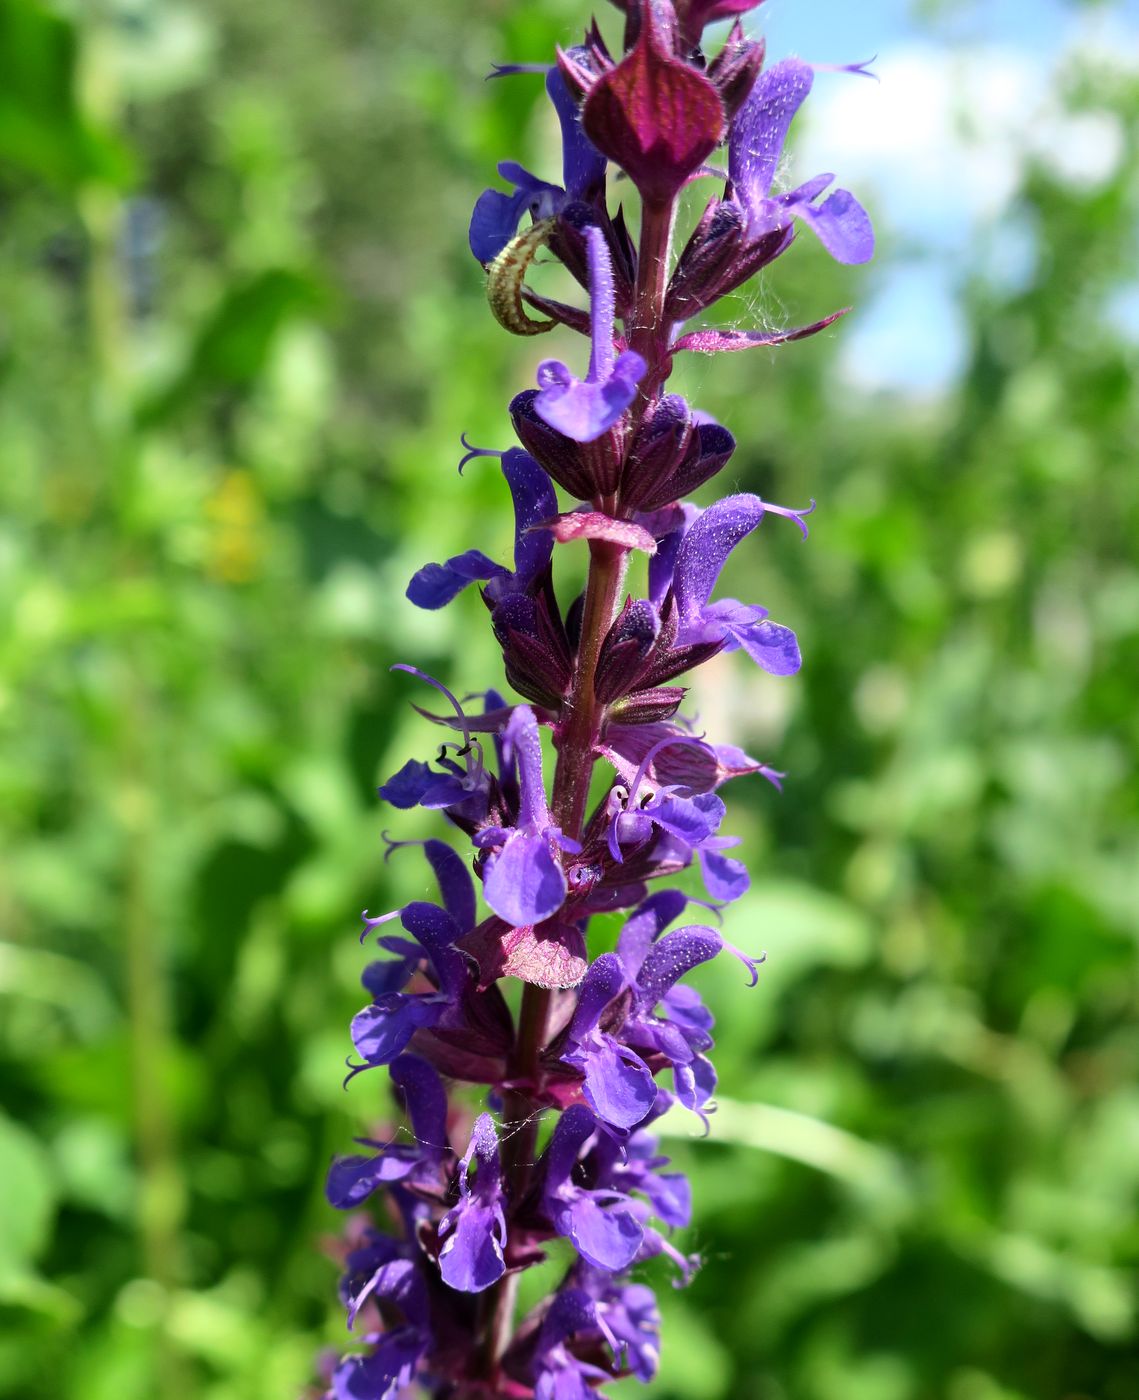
(628, 1315)
(473, 1233)
(380, 1271)
(601, 1223)
(697, 767)
(618, 1033)
(523, 880)
(688, 814)
(419, 1163)
(535, 501)
(460, 789)
(584, 409)
(556, 1372)
(382, 1031)
(497, 215)
(690, 566)
(755, 146)
(617, 1083)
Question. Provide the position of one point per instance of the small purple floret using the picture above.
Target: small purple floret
(584, 409)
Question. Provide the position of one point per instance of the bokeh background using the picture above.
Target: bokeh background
(240, 334)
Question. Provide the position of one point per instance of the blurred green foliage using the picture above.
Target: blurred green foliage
(239, 336)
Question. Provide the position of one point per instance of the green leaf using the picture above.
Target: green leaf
(233, 346)
(43, 130)
(27, 1199)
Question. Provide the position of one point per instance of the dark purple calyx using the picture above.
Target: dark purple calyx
(671, 455)
(735, 68)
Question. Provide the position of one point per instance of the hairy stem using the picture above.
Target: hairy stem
(648, 329)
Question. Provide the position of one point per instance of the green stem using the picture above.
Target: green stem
(160, 1199)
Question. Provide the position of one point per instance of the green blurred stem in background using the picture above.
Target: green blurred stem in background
(160, 1204)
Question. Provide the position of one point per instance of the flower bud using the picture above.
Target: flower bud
(653, 115)
(584, 469)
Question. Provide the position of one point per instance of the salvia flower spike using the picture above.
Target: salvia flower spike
(454, 1205)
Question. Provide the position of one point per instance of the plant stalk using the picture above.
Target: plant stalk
(576, 738)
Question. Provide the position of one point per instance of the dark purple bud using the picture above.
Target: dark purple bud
(659, 445)
(534, 649)
(571, 464)
(653, 115)
(706, 260)
(707, 455)
(735, 69)
(678, 660)
(696, 15)
(649, 706)
(626, 650)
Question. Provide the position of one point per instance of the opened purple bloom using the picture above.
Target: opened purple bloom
(352, 1179)
(396, 1352)
(584, 409)
(382, 1031)
(523, 880)
(535, 501)
(618, 1085)
(703, 552)
(755, 146)
(474, 1232)
(601, 1223)
(496, 216)
(557, 1373)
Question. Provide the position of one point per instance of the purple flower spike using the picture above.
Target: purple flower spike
(754, 150)
(523, 881)
(584, 409)
(604, 671)
(474, 1232)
